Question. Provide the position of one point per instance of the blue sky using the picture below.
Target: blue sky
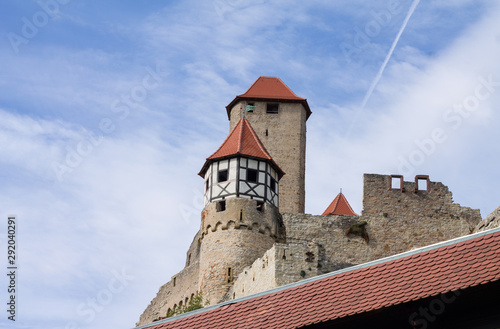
(108, 110)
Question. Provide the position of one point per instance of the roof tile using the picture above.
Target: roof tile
(242, 140)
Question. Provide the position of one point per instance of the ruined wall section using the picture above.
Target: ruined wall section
(171, 296)
(335, 249)
(280, 265)
(260, 276)
(296, 261)
(404, 200)
(177, 292)
(394, 220)
(490, 222)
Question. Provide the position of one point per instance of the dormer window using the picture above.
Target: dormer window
(272, 108)
(222, 176)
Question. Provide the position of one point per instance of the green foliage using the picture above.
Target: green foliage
(195, 303)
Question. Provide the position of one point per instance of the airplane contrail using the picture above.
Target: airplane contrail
(384, 64)
(389, 54)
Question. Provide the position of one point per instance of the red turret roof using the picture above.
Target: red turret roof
(269, 88)
(339, 206)
(242, 140)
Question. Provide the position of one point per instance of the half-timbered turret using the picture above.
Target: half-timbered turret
(241, 167)
(240, 220)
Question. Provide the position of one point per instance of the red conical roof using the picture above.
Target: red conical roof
(270, 88)
(242, 140)
(339, 206)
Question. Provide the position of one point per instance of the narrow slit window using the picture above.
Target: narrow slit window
(229, 275)
(221, 206)
(273, 184)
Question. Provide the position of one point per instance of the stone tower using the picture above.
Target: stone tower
(279, 119)
(240, 220)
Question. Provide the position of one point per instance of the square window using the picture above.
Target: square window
(272, 108)
(252, 175)
(221, 206)
(250, 107)
(422, 183)
(222, 176)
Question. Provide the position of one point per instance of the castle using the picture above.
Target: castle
(254, 234)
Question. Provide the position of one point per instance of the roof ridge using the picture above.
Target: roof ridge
(242, 142)
(227, 139)
(259, 142)
(270, 89)
(240, 137)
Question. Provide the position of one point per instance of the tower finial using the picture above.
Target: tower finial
(341, 190)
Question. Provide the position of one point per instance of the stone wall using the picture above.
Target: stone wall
(430, 200)
(284, 136)
(232, 240)
(280, 265)
(392, 221)
(177, 292)
(490, 222)
(266, 249)
(259, 276)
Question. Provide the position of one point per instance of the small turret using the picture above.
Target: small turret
(241, 167)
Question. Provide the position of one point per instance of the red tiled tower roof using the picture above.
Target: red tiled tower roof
(269, 89)
(437, 269)
(339, 206)
(242, 140)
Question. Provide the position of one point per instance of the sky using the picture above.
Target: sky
(108, 110)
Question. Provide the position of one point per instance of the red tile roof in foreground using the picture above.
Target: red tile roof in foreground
(242, 140)
(448, 266)
(339, 206)
(269, 88)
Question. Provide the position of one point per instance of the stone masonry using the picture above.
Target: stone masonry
(391, 220)
(284, 136)
(490, 222)
(299, 246)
